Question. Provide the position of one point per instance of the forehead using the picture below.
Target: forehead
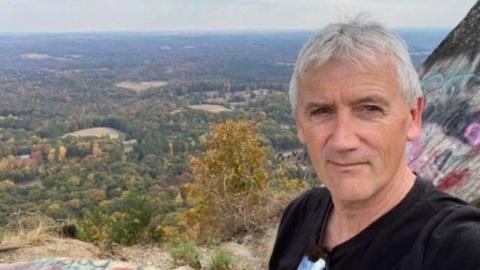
(336, 75)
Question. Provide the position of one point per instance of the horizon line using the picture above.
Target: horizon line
(199, 31)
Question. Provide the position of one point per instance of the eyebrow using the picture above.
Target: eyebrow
(370, 99)
(315, 105)
(362, 100)
(367, 99)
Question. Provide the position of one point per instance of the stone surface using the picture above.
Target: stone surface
(146, 256)
(448, 151)
(463, 39)
(52, 247)
(242, 256)
(185, 267)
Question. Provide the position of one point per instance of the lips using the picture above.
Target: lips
(347, 165)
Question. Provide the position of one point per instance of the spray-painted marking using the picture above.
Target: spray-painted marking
(452, 179)
(440, 83)
(472, 134)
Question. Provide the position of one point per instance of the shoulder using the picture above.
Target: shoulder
(307, 202)
(303, 216)
(300, 225)
(449, 234)
(454, 239)
(438, 201)
(453, 218)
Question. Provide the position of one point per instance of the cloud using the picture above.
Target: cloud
(159, 15)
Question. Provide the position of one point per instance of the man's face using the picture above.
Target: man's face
(355, 123)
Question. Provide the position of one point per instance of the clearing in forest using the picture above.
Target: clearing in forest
(139, 87)
(96, 132)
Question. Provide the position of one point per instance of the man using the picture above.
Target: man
(357, 101)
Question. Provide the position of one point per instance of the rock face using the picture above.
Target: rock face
(52, 252)
(52, 247)
(448, 152)
(464, 39)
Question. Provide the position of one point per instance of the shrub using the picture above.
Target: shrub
(27, 228)
(130, 220)
(186, 253)
(95, 227)
(221, 260)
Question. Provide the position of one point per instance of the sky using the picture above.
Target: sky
(20, 16)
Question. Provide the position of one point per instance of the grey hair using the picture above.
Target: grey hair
(353, 42)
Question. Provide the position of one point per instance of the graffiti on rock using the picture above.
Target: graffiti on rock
(447, 153)
(472, 134)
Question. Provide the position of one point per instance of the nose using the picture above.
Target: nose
(343, 136)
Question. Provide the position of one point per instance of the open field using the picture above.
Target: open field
(209, 108)
(140, 86)
(96, 132)
(42, 56)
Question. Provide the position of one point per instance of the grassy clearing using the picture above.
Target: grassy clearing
(209, 108)
(96, 132)
(140, 87)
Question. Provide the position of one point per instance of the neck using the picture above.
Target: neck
(350, 218)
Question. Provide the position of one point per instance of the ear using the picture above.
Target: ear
(415, 125)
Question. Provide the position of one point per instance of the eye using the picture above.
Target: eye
(320, 112)
(371, 108)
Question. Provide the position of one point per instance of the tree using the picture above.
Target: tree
(96, 151)
(6, 185)
(230, 185)
(62, 152)
(51, 155)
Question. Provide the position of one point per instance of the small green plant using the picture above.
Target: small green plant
(95, 227)
(186, 253)
(132, 219)
(221, 260)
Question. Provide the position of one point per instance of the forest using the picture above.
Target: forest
(165, 101)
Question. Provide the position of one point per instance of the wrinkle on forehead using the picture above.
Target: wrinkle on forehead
(367, 61)
(344, 74)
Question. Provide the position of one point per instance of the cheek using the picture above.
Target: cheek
(313, 137)
(314, 141)
(388, 142)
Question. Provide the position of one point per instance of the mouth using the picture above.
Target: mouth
(348, 165)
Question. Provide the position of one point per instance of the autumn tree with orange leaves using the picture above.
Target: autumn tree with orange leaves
(230, 188)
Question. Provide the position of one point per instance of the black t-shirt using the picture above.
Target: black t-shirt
(428, 229)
